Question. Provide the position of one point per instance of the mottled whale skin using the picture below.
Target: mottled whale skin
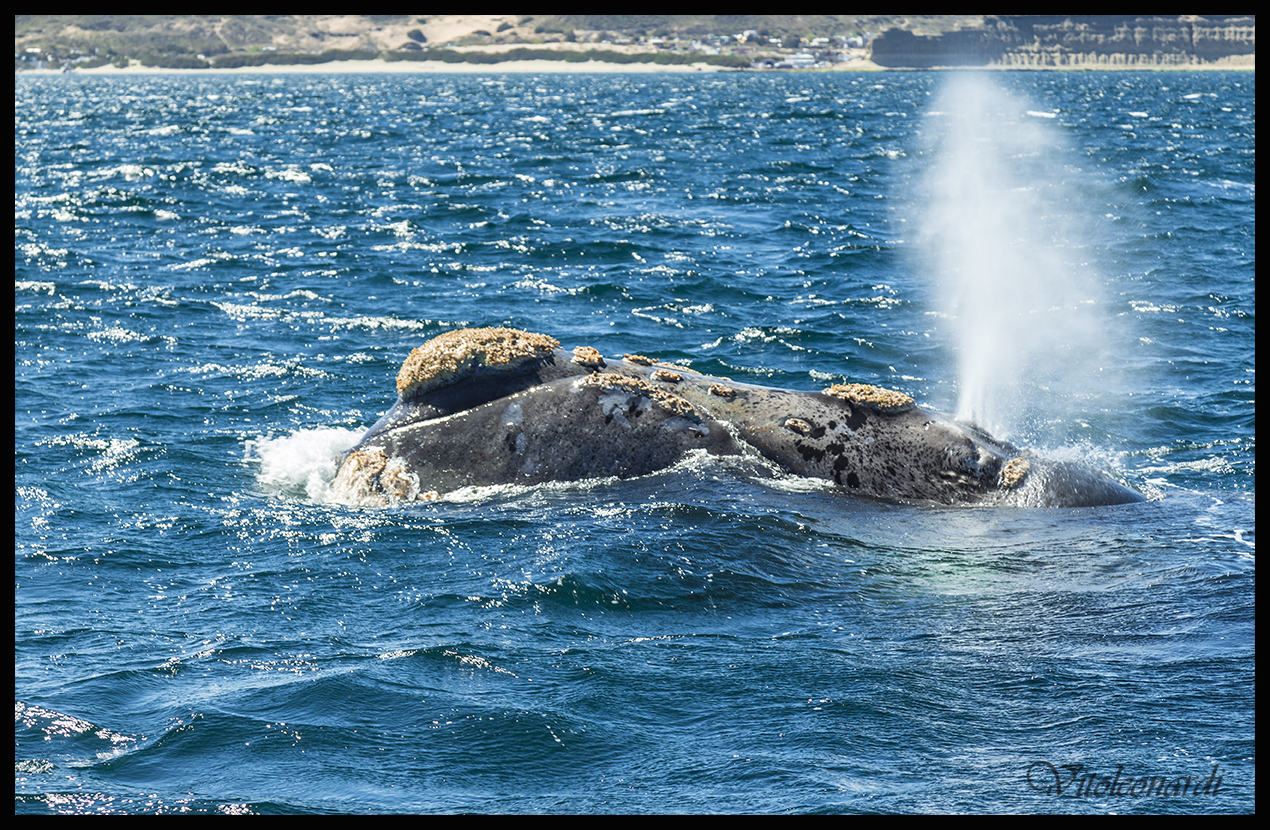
(501, 406)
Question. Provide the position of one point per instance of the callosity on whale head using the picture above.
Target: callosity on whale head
(499, 406)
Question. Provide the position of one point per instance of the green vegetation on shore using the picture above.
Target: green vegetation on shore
(450, 56)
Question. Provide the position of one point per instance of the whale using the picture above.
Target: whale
(493, 406)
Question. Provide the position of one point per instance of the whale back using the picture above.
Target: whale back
(499, 406)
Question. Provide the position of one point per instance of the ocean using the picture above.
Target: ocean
(217, 277)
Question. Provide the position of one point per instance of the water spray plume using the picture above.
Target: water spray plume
(1006, 243)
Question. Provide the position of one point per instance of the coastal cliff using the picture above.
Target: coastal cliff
(1075, 41)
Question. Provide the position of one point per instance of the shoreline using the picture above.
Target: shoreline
(538, 66)
(384, 67)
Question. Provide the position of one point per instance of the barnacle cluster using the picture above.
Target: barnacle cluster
(1013, 471)
(797, 425)
(667, 376)
(874, 397)
(449, 357)
(672, 403)
(588, 357)
(369, 476)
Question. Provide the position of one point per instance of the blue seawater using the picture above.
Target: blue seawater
(216, 279)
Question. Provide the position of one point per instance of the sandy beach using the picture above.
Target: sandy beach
(380, 66)
(406, 67)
